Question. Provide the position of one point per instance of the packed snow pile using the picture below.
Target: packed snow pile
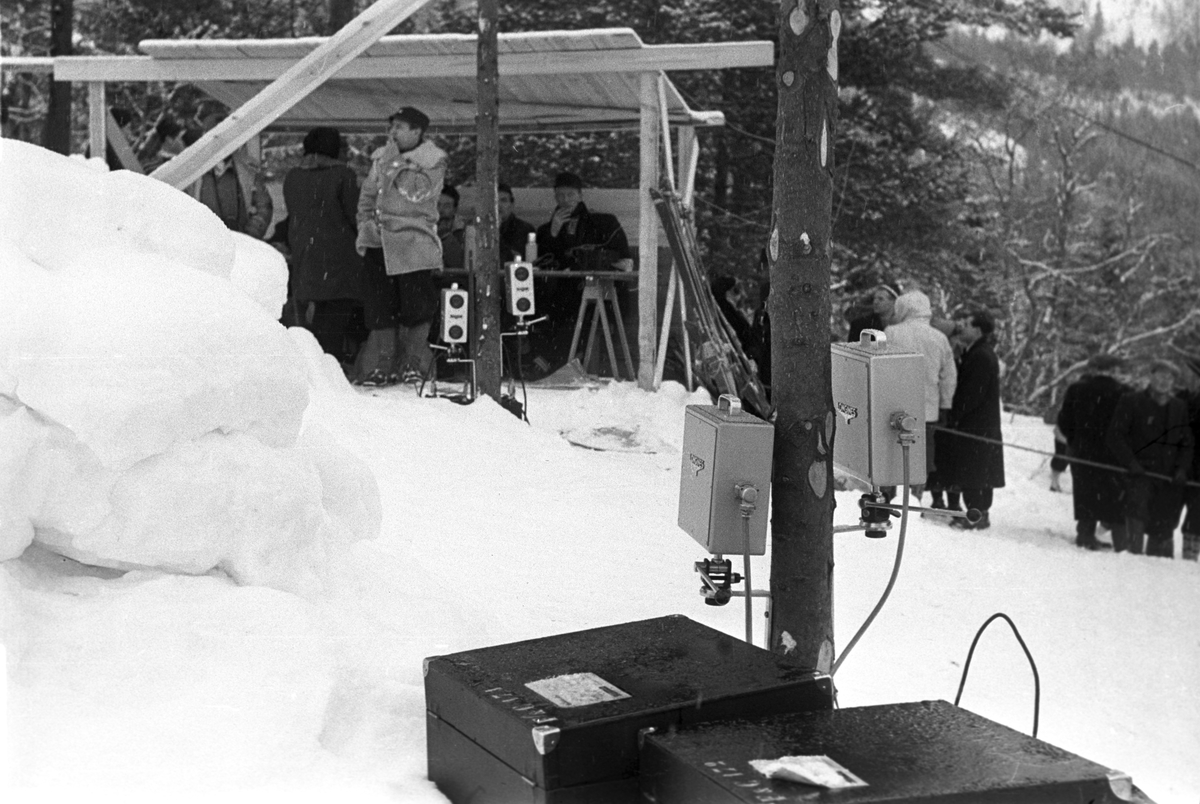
(151, 405)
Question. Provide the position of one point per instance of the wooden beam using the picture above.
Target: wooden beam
(118, 142)
(97, 118)
(648, 233)
(281, 94)
(689, 157)
(43, 65)
(665, 130)
(706, 56)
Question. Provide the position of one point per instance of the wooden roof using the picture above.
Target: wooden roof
(549, 80)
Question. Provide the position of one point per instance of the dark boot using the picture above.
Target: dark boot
(1135, 531)
(1085, 534)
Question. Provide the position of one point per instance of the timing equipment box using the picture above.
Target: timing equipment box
(556, 720)
(926, 752)
(723, 448)
(519, 284)
(455, 321)
(873, 382)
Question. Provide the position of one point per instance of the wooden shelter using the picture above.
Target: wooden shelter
(605, 79)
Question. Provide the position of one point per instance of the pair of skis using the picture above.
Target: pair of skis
(723, 364)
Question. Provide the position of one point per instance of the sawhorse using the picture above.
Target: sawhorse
(597, 291)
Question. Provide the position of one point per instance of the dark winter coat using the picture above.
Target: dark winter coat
(580, 240)
(968, 462)
(514, 235)
(321, 195)
(1087, 410)
(1157, 438)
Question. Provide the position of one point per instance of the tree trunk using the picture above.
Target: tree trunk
(56, 136)
(487, 227)
(799, 249)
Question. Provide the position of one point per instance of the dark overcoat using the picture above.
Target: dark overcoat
(970, 462)
(322, 200)
(1086, 412)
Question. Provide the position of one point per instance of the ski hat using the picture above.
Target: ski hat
(889, 287)
(411, 115)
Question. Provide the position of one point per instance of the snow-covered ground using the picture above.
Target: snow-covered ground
(151, 416)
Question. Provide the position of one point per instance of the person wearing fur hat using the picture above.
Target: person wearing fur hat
(398, 238)
(321, 194)
(1087, 408)
(1149, 435)
(912, 332)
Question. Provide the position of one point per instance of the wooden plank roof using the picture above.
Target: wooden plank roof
(549, 80)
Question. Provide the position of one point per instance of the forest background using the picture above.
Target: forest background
(1024, 157)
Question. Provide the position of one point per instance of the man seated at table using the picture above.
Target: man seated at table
(574, 239)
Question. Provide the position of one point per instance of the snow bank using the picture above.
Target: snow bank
(152, 406)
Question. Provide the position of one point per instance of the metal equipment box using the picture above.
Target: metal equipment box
(724, 447)
(930, 751)
(556, 720)
(871, 383)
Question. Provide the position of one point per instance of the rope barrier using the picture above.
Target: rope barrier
(1119, 469)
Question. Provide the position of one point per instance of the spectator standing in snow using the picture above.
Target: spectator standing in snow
(1191, 523)
(912, 332)
(398, 238)
(235, 189)
(1149, 433)
(321, 194)
(976, 459)
(1086, 412)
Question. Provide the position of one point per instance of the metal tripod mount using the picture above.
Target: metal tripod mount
(454, 353)
(521, 331)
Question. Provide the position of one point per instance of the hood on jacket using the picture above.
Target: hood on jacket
(913, 305)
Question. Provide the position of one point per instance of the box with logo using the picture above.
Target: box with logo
(724, 448)
(557, 720)
(874, 382)
(910, 753)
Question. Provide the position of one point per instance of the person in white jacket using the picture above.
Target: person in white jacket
(912, 332)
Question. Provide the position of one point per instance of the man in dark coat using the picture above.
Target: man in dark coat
(574, 239)
(321, 194)
(1086, 412)
(1149, 433)
(514, 232)
(977, 465)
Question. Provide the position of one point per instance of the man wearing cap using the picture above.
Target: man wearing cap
(575, 239)
(1087, 409)
(398, 238)
(1150, 434)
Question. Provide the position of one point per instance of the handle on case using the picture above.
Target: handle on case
(872, 337)
(728, 403)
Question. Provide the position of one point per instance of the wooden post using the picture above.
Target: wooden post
(281, 94)
(799, 250)
(97, 119)
(487, 226)
(56, 135)
(648, 233)
(689, 156)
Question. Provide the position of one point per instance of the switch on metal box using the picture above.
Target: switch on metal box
(872, 383)
(724, 448)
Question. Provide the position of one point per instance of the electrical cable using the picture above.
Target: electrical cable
(1037, 683)
(1068, 458)
(895, 571)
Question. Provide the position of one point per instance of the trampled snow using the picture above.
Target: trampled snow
(292, 664)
